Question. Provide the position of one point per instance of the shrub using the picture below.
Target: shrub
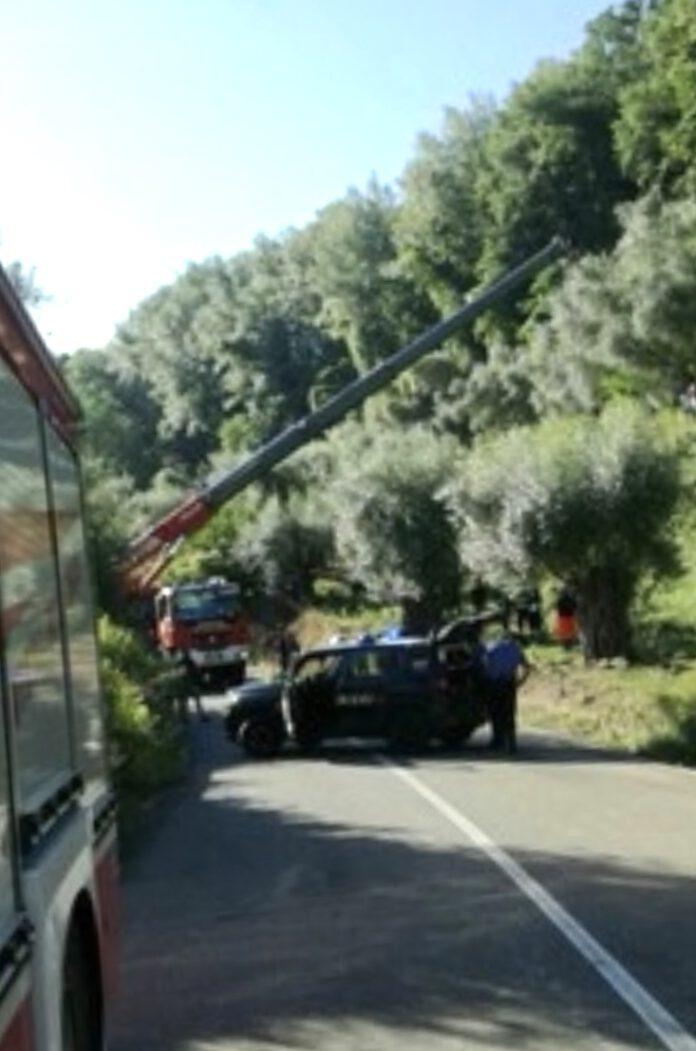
(140, 702)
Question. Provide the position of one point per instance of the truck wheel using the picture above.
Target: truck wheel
(81, 1013)
(259, 739)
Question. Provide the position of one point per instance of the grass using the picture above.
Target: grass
(646, 707)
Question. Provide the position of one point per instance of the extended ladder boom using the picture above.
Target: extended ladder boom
(152, 546)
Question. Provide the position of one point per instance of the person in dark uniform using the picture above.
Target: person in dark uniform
(506, 668)
(192, 686)
(478, 596)
(288, 647)
(528, 608)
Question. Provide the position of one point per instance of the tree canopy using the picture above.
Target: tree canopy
(600, 148)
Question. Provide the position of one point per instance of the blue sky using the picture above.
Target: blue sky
(140, 135)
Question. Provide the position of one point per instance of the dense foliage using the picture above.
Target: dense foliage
(141, 708)
(586, 499)
(599, 148)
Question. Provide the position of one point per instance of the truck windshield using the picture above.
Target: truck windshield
(206, 604)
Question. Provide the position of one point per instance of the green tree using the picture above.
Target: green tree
(366, 301)
(393, 533)
(612, 51)
(277, 359)
(622, 322)
(656, 129)
(289, 545)
(588, 500)
(120, 418)
(170, 341)
(549, 169)
(439, 226)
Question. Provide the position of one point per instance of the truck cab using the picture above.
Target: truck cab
(202, 624)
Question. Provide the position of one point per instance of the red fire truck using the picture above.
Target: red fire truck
(58, 865)
(203, 623)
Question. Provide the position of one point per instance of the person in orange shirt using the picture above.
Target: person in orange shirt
(565, 626)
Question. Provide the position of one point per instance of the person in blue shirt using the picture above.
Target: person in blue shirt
(506, 668)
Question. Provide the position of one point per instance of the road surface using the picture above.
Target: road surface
(446, 902)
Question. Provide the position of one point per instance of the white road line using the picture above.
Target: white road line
(665, 1027)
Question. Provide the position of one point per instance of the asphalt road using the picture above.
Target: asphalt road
(453, 901)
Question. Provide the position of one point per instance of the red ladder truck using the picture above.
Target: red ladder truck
(149, 553)
(58, 864)
(203, 622)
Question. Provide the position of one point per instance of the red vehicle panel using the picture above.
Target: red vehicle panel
(20, 1034)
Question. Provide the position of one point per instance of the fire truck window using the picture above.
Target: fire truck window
(77, 603)
(31, 627)
(206, 603)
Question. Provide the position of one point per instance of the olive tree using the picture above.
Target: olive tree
(288, 545)
(587, 499)
(394, 533)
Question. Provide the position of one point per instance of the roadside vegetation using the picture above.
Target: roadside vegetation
(142, 707)
(552, 444)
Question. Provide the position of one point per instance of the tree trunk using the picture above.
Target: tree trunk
(604, 599)
(415, 616)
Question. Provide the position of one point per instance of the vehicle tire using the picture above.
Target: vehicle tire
(81, 1009)
(259, 738)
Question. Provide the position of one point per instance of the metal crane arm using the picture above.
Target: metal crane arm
(153, 545)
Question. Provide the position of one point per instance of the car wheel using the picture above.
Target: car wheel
(259, 739)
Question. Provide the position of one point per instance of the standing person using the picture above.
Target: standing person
(534, 611)
(193, 687)
(478, 596)
(528, 607)
(566, 622)
(287, 649)
(506, 668)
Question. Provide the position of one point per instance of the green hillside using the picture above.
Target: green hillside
(552, 442)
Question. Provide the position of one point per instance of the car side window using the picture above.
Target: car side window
(322, 664)
(361, 664)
